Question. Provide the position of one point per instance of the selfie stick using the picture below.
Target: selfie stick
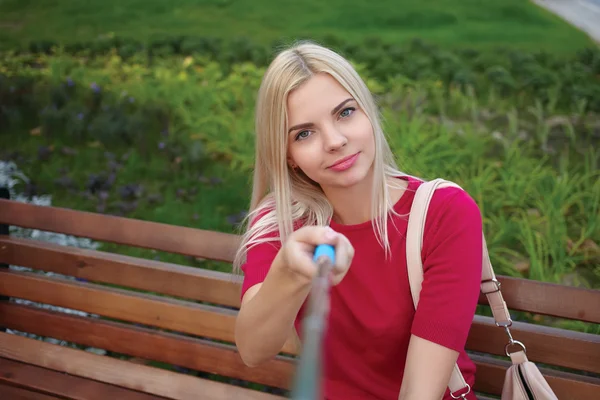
(307, 382)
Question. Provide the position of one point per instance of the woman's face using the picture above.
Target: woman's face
(330, 137)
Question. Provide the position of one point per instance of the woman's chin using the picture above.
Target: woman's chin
(346, 179)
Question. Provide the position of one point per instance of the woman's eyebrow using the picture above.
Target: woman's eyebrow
(301, 126)
(339, 106)
(310, 124)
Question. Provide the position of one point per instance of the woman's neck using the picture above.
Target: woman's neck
(352, 206)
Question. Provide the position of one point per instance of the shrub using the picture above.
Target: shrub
(533, 74)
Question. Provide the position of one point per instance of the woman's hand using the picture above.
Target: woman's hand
(297, 253)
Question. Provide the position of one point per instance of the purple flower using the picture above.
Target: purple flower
(131, 99)
(80, 116)
(70, 81)
(161, 145)
(95, 87)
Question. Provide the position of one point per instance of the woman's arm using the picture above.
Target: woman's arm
(428, 370)
(267, 314)
(452, 262)
(269, 309)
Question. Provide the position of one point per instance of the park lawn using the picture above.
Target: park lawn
(468, 23)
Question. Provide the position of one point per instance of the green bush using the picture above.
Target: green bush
(525, 76)
(533, 171)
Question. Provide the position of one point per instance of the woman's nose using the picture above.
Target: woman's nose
(333, 139)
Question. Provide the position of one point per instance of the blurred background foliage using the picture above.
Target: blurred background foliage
(145, 109)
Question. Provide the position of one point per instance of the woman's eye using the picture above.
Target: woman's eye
(302, 135)
(346, 112)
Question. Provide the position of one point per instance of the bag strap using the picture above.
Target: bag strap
(414, 243)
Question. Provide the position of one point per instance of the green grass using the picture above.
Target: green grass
(468, 23)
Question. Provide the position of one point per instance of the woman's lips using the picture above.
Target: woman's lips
(344, 163)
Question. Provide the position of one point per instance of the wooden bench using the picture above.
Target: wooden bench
(144, 310)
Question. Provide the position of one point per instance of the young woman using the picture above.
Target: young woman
(324, 173)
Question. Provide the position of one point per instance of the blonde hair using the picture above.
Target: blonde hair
(282, 196)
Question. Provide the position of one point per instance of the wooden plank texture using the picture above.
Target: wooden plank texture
(16, 393)
(121, 373)
(492, 378)
(222, 288)
(520, 294)
(149, 275)
(108, 228)
(120, 304)
(64, 386)
(544, 344)
(175, 315)
(549, 299)
(217, 323)
(145, 343)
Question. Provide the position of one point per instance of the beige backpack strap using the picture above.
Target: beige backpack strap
(414, 244)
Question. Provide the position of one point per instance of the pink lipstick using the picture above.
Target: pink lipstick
(344, 163)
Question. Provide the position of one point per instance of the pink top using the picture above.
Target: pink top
(372, 315)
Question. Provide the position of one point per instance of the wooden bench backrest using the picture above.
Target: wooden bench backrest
(184, 316)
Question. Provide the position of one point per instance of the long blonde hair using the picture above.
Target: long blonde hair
(282, 196)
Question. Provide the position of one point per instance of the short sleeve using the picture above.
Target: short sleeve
(259, 257)
(452, 261)
(258, 262)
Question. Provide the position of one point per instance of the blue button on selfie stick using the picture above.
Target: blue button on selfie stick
(326, 250)
(307, 381)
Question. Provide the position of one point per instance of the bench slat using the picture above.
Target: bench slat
(520, 294)
(15, 393)
(145, 343)
(176, 315)
(103, 334)
(490, 378)
(217, 323)
(127, 231)
(223, 288)
(549, 299)
(153, 276)
(544, 344)
(121, 373)
(145, 309)
(63, 385)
